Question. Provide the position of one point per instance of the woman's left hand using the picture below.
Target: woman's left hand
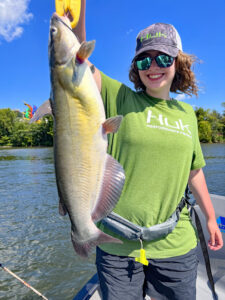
(200, 191)
(216, 240)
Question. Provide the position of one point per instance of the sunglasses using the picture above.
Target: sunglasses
(162, 60)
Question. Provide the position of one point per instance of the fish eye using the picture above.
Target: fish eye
(54, 30)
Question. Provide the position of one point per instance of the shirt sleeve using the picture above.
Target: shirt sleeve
(113, 94)
(198, 161)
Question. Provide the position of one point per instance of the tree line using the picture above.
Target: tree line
(16, 131)
(211, 125)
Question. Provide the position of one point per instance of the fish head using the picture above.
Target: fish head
(63, 44)
(69, 71)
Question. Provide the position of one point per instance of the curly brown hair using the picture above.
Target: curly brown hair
(184, 80)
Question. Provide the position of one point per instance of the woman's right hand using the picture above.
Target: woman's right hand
(80, 32)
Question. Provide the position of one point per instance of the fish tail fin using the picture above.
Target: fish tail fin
(84, 249)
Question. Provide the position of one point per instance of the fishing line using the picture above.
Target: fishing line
(24, 282)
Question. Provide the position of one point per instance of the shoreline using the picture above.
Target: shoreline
(22, 147)
(33, 147)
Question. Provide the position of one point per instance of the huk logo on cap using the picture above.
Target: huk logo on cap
(150, 36)
(160, 37)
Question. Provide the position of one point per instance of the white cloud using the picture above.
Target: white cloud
(129, 31)
(13, 14)
(182, 97)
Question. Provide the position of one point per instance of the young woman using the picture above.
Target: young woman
(158, 147)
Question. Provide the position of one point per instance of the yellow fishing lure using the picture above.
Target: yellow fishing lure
(73, 6)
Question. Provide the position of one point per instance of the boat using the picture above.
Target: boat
(91, 290)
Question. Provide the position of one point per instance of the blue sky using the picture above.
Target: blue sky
(24, 26)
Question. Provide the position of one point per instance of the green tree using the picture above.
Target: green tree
(201, 114)
(223, 120)
(35, 134)
(46, 128)
(215, 125)
(214, 119)
(205, 132)
(7, 118)
(22, 136)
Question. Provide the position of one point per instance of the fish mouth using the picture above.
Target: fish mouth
(63, 19)
(62, 45)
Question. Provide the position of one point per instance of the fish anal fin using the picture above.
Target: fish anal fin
(112, 124)
(84, 249)
(111, 189)
(85, 50)
(43, 110)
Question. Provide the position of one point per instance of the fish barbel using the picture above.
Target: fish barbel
(89, 181)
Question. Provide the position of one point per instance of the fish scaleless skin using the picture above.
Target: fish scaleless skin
(89, 181)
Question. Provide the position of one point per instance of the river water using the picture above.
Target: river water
(35, 241)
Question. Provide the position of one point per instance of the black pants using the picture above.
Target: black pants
(121, 278)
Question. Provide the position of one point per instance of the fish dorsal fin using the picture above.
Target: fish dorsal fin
(112, 124)
(84, 51)
(111, 189)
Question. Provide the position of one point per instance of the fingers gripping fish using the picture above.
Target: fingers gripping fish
(89, 181)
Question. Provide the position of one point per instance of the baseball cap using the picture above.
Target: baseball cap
(159, 36)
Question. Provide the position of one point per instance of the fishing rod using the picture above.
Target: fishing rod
(24, 282)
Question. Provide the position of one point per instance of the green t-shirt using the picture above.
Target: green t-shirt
(157, 145)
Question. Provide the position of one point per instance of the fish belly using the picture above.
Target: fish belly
(80, 156)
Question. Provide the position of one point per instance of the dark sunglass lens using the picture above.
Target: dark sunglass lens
(144, 64)
(164, 61)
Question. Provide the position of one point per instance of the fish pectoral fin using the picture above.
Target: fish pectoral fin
(111, 188)
(43, 110)
(85, 51)
(62, 208)
(112, 124)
